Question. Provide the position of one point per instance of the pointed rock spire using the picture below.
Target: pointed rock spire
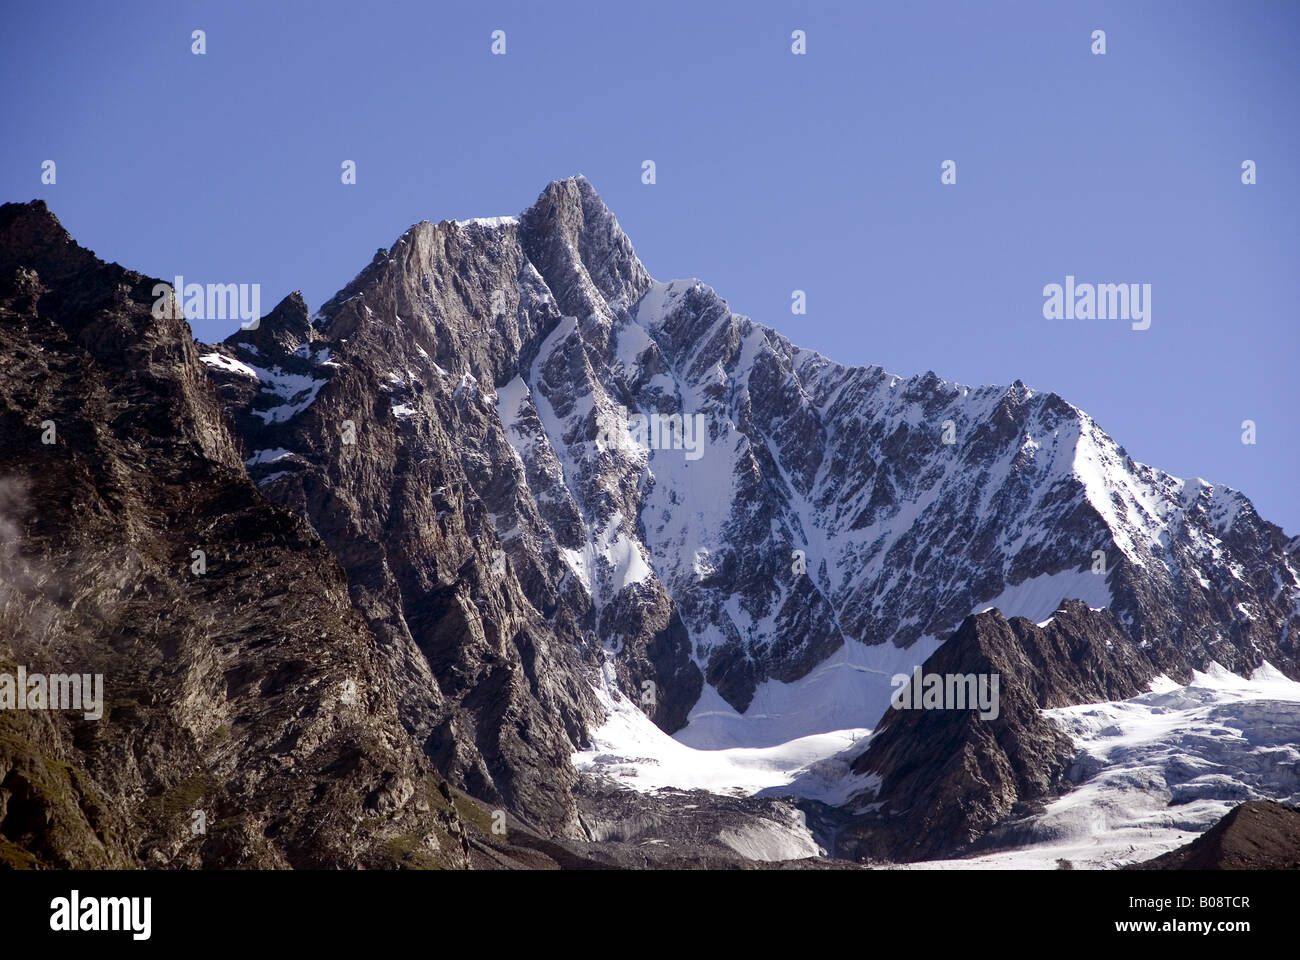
(283, 330)
(576, 244)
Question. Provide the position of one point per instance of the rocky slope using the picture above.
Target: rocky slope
(242, 696)
(946, 776)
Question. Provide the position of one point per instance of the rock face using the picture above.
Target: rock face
(948, 775)
(241, 695)
(1258, 835)
(503, 466)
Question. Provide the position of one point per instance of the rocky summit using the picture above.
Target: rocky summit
(411, 580)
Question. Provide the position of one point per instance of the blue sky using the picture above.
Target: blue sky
(775, 172)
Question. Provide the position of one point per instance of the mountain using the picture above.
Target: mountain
(246, 720)
(539, 328)
(946, 776)
(554, 497)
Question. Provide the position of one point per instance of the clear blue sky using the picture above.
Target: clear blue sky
(775, 172)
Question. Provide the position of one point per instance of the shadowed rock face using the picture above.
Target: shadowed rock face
(250, 694)
(947, 775)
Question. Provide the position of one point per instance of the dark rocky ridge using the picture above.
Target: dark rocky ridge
(251, 693)
(947, 776)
